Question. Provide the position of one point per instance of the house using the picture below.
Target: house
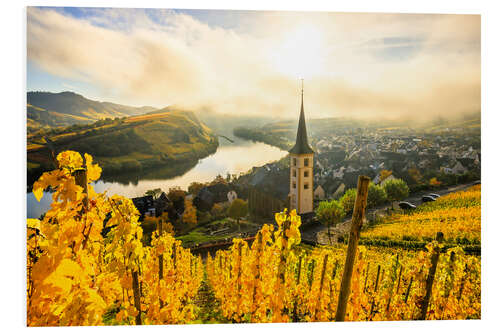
(143, 204)
(163, 204)
(210, 195)
(148, 206)
(391, 177)
(458, 169)
(339, 173)
(231, 196)
(319, 193)
(339, 191)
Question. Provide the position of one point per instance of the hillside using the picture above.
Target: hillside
(127, 145)
(223, 124)
(457, 215)
(46, 109)
(282, 133)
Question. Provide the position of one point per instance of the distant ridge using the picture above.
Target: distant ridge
(47, 109)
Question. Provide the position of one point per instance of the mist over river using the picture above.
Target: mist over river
(232, 158)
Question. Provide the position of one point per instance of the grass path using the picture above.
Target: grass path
(208, 306)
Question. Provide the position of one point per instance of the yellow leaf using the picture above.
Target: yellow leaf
(68, 267)
(38, 192)
(93, 170)
(70, 159)
(33, 224)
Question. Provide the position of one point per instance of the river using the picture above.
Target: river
(232, 158)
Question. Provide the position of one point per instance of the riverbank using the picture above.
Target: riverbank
(229, 158)
(133, 145)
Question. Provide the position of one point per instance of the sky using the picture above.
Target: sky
(251, 62)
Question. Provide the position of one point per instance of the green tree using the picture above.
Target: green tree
(348, 199)
(376, 195)
(330, 213)
(195, 187)
(237, 210)
(155, 193)
(396, 190)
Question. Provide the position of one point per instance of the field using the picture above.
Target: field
(87, 265)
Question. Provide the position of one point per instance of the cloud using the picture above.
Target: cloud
(358, 65)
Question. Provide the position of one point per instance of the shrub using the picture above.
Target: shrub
(376, 195)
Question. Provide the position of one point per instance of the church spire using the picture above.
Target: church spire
(301, 144)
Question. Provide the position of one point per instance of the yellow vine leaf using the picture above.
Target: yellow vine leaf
(93, 170)
(70, 159)
(33, 224)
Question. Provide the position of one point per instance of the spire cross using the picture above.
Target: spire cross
(302, 80)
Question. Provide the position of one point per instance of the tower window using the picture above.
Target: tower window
(294, 161)
(306, 162)
(294, 185)
(294, 173)
(306, 174)
(306, 186)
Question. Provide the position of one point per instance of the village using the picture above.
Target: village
(211, 214)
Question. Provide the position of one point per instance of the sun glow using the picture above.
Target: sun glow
(301, 52)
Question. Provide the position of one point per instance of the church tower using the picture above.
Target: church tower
(301, 168)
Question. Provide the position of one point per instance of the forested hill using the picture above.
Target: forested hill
(68, 108)
(126, 144)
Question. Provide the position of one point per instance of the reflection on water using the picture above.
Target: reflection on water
(229, 158)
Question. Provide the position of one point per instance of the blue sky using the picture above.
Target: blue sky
(251, 61)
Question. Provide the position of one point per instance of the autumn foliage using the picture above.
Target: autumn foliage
(79, 273)
(87, 265)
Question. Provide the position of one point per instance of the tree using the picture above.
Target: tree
(396, 190)
(434, 182)
(376, 195)
(348, 199)
(217, 210)
(194, 188)
(154, 193)
(330, 213)
(237, 210)
(177, 195)
(415, 175)
(218, 180)
(189, 215)
(384, 174)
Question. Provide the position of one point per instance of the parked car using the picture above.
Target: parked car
(428, 198)
(434, 195)
(406, 205)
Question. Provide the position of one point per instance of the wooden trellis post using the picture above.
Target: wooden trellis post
(357, 221)
(81, 180)
(137, 297)
(430, 277)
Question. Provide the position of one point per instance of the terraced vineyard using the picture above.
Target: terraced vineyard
(87, 265)
(456, 215)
